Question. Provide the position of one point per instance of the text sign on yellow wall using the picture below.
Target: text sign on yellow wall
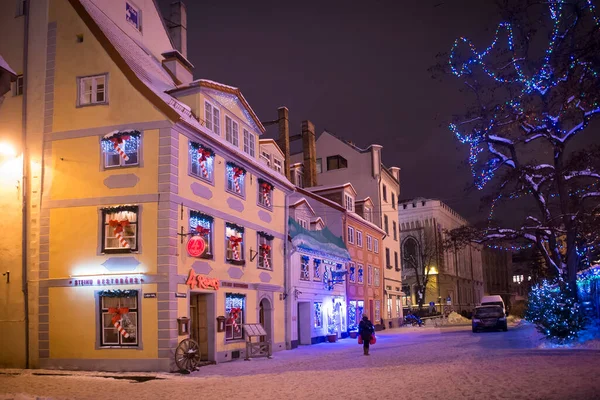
(107, 280)
(203, 282)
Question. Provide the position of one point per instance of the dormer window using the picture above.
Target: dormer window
(336, 162)
(133, 15)
(212, 116)
(349, 202)
(367, 212)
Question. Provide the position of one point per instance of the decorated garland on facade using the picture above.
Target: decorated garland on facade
(266, 188)
(204, 153)
(237, 172)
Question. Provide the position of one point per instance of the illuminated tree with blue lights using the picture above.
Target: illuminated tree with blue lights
(535, 89)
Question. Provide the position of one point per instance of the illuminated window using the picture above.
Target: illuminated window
(318, 315)
(234, 235)
(369, 275)
(120, 233)
(316, 269)
(349, 201)
(389, 307)
(304, 269)
(119, 318)
(377, 311)
(202, 162)
(202, 224)
(351, 272)
(231, 131)
(265, 194)
(92, 90)
(235, 308)
(360, 273)
(212, 116)
(133, 15)
(235, 179)
(265, 251)
(121, 149)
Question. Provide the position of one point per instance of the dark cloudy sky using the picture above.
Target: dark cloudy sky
(357, 69)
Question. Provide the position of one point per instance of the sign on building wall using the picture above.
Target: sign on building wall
(201, 281)
(108, 280)
(196, 246)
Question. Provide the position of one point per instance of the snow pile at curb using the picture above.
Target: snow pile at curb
(21, 396)
(455, 318)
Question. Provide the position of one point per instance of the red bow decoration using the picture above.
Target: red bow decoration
(118, 225)
(117, 313)
(204, 154)
(266, 248)
(266, 187)
(235, 241)
(202, 230)
(237, 172)
(119, 139)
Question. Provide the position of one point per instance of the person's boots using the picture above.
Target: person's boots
(366, 350)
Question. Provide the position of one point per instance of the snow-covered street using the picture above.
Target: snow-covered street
(413, 363)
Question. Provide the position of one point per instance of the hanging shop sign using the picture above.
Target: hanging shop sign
(201, 281)
(196, 246)
(107, 280)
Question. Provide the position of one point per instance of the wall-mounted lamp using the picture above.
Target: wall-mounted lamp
(183, 325)
(7, 274)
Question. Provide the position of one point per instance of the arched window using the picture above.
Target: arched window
(410, 253)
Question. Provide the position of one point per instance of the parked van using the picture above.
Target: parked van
(494, 300)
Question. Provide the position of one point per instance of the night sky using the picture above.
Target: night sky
(357, 69)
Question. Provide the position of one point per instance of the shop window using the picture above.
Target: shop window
(212, 116)
(376, 279)
(360, 277)
(202, 162)
(355, 313)
(265, 250)
(133, 15)
(234, 235)
(377, 311)
(352, 272)
(265, 194)
(304, 268)
(235, 308)
(202, 224)
(318, 315)
(235, 179)
(119, 318)
(316, 269)
(121, 149)
(369, 275)
(120, 233)
(92, 90)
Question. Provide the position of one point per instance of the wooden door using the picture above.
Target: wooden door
(199, 323)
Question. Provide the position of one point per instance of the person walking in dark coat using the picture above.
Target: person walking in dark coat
(366, 330)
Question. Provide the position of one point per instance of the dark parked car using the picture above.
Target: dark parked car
(489, 317)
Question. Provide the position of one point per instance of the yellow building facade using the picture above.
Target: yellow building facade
(157, 222)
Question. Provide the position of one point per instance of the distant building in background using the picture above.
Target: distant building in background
(497, 271)
(528, 267)
(457, 277)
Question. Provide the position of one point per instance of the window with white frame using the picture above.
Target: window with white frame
(304, 268)
(121, 149)
(318, 315)
(376, 246)
(376, 278)
(235, 308)
(265, 250)
(352, 272)
(266, 157)
(202, 224)
(120, 233)
(92, 90)
(202, 161)
(277, 165)
(133, 15)
(367, 214)
(316, 269)
(350, 235)
(212, 118)
(249, 143)
(265, 194)
(18, 86)
(119, 318)
(319, 165)
(232, 131)
(369, 275)
(349, 202)
(303, 223)
(234, 236)
(235, 179)
(369, 243)
(361, 272)
(359, 237)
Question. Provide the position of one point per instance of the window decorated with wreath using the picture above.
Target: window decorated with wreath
(235, 179)
(118, 314)
(318, 315)
(316, 269)
(119, 232)
(265, 194)
(352, 272)
(304, 271)
(202, 224)
(234, 235)
(121, 148)
(360, 276)
(235, 308)
(202, 161)
(265, 250)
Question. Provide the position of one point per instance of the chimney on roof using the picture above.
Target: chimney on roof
(309, 148)
(178, 26)
(396, 173)
(283, 141)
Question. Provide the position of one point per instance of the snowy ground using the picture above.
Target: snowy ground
(415, 363)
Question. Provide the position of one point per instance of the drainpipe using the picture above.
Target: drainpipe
(286, 279)
(24, 214)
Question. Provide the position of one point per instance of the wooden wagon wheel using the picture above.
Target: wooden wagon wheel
(187, 355)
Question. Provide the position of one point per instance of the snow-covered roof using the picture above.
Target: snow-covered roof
(4, 65)
(300, 201)
(316, 189)
(364, 221)
(155, 80)
(322, 242)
